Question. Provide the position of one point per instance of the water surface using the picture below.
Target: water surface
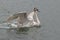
(49, 16)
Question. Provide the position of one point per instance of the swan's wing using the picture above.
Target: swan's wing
(14, 16)
(21, 14)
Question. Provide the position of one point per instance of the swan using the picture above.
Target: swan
(22, 17)
(37, 23)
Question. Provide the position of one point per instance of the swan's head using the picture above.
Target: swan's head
(36, 10)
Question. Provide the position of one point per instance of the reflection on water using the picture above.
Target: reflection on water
(22, 33)
(23, 30)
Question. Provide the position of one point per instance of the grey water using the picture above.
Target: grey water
(49, 16)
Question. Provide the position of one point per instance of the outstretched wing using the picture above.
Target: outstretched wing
(14, 16)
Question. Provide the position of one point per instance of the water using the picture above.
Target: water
(49, 16)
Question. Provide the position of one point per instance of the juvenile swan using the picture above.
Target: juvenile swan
(23, 16)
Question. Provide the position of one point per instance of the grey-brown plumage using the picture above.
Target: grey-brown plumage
(21, 17)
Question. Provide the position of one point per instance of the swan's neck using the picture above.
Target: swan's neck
(37, 18)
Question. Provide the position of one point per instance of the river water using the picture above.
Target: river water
(49, 16)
